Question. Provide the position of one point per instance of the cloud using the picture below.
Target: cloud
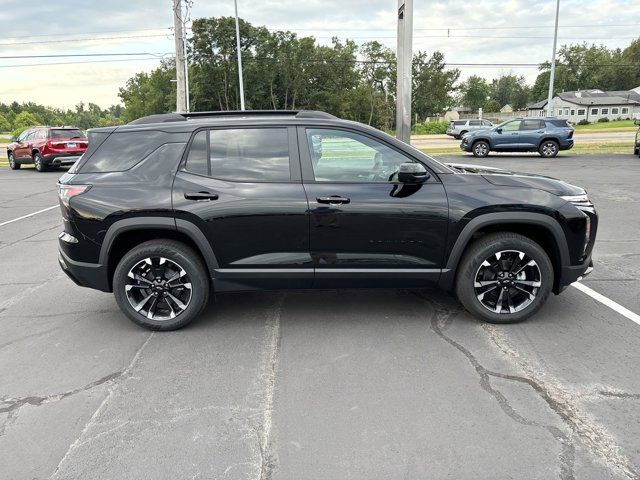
(467, 32)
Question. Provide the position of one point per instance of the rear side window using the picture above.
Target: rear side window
(121, 151)
(532, 125)
(474, 123)
(558, 123)
(241, 154)
(459, 122)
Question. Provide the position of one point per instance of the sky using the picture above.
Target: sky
(139, 31)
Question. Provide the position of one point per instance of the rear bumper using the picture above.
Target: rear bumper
(567, 144)
(61, 159)
(91, 275)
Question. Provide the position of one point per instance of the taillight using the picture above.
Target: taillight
(67, 192)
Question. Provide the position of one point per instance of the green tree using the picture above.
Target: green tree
(5, 126)
(474, 93)
(433, 84)
(510, 90)
(23, 121)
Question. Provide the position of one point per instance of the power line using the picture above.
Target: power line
(58, 55)
(511, 27)
(92, 39)
(86, 33)
(78, 62)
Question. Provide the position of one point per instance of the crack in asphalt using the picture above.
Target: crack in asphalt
(9, 244)
(440, 320)
(11, 406)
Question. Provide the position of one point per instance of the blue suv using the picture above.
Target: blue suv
(547, 136)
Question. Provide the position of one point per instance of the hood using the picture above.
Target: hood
(508, 178)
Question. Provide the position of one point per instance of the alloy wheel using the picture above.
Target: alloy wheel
(480, 149)
(158, 288)
(12, 162)
(549, 149)
(507, 282)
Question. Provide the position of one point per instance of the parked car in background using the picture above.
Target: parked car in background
(547, 136)
(47, 147)
(173, 208)
(457, 128)
(637, 144)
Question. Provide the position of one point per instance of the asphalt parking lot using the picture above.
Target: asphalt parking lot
(326, 385)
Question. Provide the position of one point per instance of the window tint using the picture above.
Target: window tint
(531, 125)
(197, 159)
(511, 126)
(56, 133)
(250, 154)
(121, 151)
(474, 123)
(459, 122)
(341, 156)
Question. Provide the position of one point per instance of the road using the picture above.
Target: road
(444, 141)
(351, 385)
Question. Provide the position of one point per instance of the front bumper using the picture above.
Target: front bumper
(465, 145)
(574, 273)
(91, 275)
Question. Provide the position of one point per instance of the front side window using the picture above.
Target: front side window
(486, 123)
(342, 156)
(241, 154)
(511, 126)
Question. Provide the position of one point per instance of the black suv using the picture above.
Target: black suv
(170, 208)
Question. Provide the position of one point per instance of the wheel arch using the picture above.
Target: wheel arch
(548, 137)
(125, 234)
(540, 228)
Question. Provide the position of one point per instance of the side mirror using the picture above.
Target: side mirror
(499, 130)
(637, 122)
(412, 172)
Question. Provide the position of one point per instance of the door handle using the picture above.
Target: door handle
(201, 196)
(333, 200)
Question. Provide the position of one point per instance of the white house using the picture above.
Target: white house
(591, 105)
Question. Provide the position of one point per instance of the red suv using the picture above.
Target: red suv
(47, 147)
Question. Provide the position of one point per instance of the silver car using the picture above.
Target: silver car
(457, 128)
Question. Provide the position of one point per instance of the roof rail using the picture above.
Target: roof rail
(179, 117)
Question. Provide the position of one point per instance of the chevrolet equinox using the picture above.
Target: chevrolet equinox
(171, 208)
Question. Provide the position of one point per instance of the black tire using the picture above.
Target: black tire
(480, 149)
(549, 149)
(177, 254)
(38, 161)
(481, 252)
(13, 165)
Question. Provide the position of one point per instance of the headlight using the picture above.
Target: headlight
(580, 201)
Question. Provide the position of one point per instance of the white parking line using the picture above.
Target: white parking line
(27, 216)
(634, 317)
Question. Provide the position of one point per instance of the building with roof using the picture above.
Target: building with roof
(591, 105)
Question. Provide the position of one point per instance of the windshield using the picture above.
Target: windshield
(65, 133)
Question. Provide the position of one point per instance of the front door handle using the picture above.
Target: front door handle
(201, 196)
(333, 200)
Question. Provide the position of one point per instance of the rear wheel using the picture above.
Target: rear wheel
(480, 149)
(549, 149)
(13, 165)
(38, 161)
(504, 277)
(161, 285)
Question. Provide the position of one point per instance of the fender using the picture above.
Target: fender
(448, 274)
(166, 223)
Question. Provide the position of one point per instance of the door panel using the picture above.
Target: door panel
(530, 132)
(509, 137)
(376, 233)
(258, 231)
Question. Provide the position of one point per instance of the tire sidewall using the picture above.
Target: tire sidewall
(473, 149)
(12, 162)
(482, 250)
(38, 161)
(185, 258)
(546, 142)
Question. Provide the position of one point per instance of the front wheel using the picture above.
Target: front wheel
(161, 285)
(480, 149)
(504, 277)
(549, 149)
(13, 165)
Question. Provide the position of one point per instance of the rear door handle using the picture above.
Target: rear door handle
(333, 200)
(201, 196)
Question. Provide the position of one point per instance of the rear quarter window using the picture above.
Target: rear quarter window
(120, 151)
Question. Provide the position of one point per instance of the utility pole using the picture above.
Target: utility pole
(553, 64)
(404, 71)
(240, 81)
(181, 80)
